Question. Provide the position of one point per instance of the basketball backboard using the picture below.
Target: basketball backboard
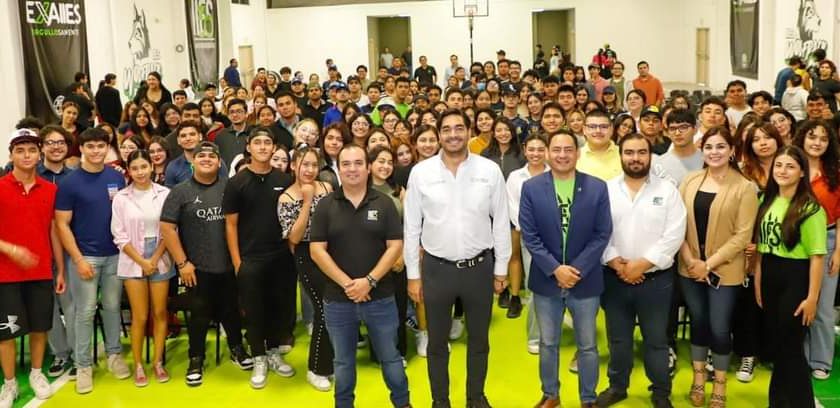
(470, 8)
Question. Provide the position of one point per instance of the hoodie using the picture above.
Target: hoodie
(794, 100)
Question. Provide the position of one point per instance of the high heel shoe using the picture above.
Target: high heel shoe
(718, 400)
(697, 395)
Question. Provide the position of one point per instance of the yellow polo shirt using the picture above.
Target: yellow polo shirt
(605, 165)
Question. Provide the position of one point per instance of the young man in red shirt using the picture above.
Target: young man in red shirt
(28, 244)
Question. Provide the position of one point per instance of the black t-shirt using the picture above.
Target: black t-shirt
(254, 197)
(829, 88)
(356, 237)
(196, 209)
(424, 75)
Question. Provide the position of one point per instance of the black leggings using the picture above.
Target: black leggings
(313, 281)
(268, 295)
(784, 285)
(213, 298)
(746, 325)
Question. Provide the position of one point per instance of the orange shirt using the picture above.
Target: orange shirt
(830, 200)
(654, 94)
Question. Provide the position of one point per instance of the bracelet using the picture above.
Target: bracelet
(182, 264)
(372, 281)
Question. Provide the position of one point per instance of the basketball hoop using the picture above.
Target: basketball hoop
(470, 9)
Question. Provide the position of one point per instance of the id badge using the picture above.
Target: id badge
(112, 191)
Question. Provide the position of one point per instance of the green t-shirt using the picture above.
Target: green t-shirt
(565, 191)
(812, 239)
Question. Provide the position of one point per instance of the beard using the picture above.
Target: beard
(633, 173)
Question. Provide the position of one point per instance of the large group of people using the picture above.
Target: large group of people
(401, 205)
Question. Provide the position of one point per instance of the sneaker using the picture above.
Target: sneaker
(8, 394)
(515, 308)
(821, 374)
(457, 329)
(411, 323)
(140, 378)
(40, 385)
(285, 349)
(58, 367)
(362, 341)
(534, 347)
(278, 365)
(161, 375)
(241, 358)
(504, 299)
(319, 382)
(422, 340)
(672, 361)
(573, 368)
(195, 372)
(118, 367)
(260, 374)
(72, 374)
(745, 372)
(84, 380)
(610, 396)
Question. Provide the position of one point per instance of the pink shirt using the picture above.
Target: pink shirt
(128, 227)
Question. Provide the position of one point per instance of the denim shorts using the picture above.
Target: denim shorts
(149, 246)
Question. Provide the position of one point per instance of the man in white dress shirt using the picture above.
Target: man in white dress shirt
(648, 219)
(456, 208)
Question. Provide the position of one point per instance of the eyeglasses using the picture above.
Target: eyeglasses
(603, 126)
(680, 128)
(56, 143)
(236, 111)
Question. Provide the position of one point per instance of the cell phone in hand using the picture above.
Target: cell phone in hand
(713, 279)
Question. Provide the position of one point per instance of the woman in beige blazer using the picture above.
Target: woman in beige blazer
(721, 206)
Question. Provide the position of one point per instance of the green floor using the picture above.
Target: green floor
(513, 380)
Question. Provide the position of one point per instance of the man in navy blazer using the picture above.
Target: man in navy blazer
(566, 225)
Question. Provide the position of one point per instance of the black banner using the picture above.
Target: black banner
(54, 40)
(203, 39)
(743, 32)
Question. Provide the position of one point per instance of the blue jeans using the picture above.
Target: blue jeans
(710, 311)
(819, 341)
(380, 317)
(650, 301)
(106, 286)
(62, 337)
(550, 310)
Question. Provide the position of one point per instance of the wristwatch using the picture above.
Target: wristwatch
(372, 281)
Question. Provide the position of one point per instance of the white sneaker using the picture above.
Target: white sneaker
(319, 382)
(278, 365)
(40, 385)
(260, 374)
(534, 347)
(84, 380)
(8, 394)
(745, 372)
(821, 374)
(285, 349)
(422, 339)
(118, 367)
(457, 329)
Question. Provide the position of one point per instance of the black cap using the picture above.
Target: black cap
(207, 147)
(651, 110)
(260, 131)
(509, 89)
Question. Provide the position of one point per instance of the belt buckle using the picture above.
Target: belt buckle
(462, 264)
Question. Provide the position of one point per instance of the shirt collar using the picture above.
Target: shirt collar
(339, 195)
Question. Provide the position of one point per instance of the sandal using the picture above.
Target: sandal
(718, 400)
(697, 395)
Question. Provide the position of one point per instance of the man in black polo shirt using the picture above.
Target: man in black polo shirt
(425, 74)
(264, 268)
(356, 238)
(193, 229)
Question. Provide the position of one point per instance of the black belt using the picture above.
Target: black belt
(831, 227)
(464, 263)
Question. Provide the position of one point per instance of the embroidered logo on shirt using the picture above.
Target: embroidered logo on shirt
(658, 200)
(197, 200)
(373, 215)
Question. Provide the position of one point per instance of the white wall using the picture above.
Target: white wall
(11, 68)
(341, 32)
(248, 24)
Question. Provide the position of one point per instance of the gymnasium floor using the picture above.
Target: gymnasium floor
(513, 379)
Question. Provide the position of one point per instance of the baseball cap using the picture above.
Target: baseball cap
(651, 110)
(260, 131)
(24, 135)
(509, 89)
(208, 147)
(421, 96)
(313, 85)
(609, 89)
(338, 85)
(296, 81)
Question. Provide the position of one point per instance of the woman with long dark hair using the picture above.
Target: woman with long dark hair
(108, 102)
(141, 126)
(760, 146)
(819, 142)
(169, 119)
(295, 209)
(791, 238)
(720, 209)
(159, 152)
(154, 91)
